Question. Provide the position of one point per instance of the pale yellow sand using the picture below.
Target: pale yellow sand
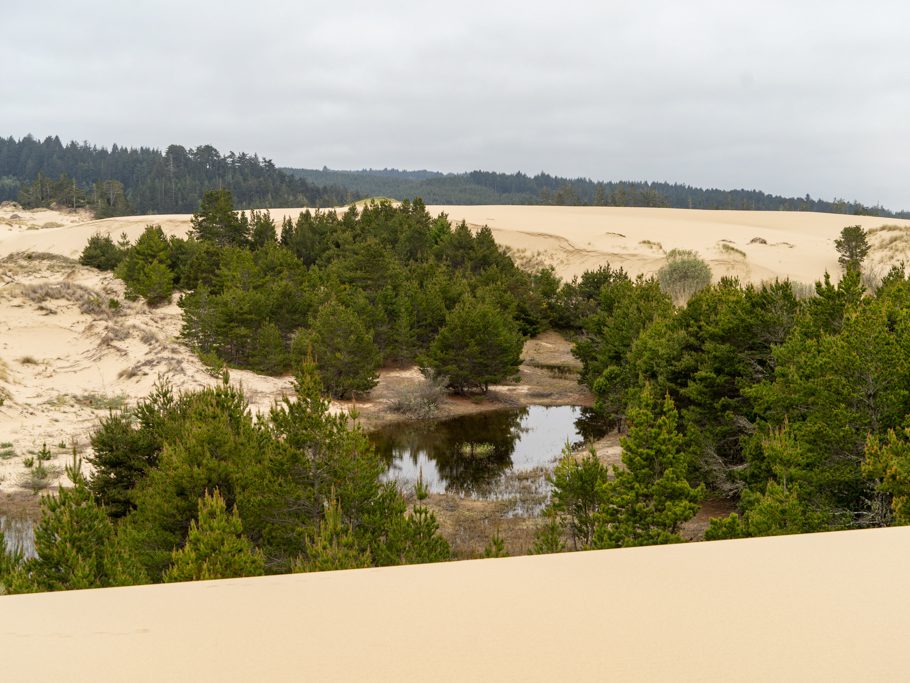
(823, 607)
(797, 245)
(67, 358)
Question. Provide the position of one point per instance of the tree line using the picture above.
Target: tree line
(122, 180)
(483, 187)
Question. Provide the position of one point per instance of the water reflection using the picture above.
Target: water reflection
(518, 439)
(19, 534)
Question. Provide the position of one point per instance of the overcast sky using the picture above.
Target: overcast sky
(789, 97)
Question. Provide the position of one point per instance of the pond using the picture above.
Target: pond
(468, 455)
(18, 533)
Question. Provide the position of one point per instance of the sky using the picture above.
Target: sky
(786, 97)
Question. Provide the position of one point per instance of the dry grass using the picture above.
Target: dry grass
(650, 244)
(90, 301)
(727, 248)
(97, 401)
(560, 370)
(419, 401)
(39, 477)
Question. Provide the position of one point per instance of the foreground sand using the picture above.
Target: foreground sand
(792, 608)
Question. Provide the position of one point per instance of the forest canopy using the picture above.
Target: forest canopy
(484, 187)
(122, 181)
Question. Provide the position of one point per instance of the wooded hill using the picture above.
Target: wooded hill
(481, 187)
(123, 180)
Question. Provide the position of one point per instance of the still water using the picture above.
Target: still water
(515, 440)
(19, 534)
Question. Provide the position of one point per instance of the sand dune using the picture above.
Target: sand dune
(760, 245)
(787, 608)
(67, 357)
(752, 245)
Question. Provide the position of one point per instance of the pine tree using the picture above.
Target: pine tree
(852, 247)
(155, 283)
(496, 547)
(649, 497)
(347, 359)
(549, 537)
(577, 494)
(478, 345)
(76, 545)
(101, 253)
(215, 546)
(333, 547)
(215, 221)
(888, 462)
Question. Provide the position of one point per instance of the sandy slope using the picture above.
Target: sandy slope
(760, 245)
(818, 607)
(67, 357)
(798, 246)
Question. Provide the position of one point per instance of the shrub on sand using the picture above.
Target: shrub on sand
(684, 274)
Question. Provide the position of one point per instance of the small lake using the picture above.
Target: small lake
(468, 455)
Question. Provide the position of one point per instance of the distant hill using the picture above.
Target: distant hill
(121, 180)
(481, 187)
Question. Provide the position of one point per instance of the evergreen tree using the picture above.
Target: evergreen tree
(650, 496)
(549, 537)
(101, 253)
(215, 221)
(144, 268)
(783, 507)
(576, 495)
(126, 445)
(478, 345)
(333, 547)
(76, 545)
(215, 546)
(343, 349)
(496, 547)
(852, 247)
(888, 462)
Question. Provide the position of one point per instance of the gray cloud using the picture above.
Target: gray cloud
(788, 97)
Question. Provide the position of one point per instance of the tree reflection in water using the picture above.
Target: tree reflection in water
(519, 438)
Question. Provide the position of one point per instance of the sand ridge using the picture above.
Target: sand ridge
(755, 246)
